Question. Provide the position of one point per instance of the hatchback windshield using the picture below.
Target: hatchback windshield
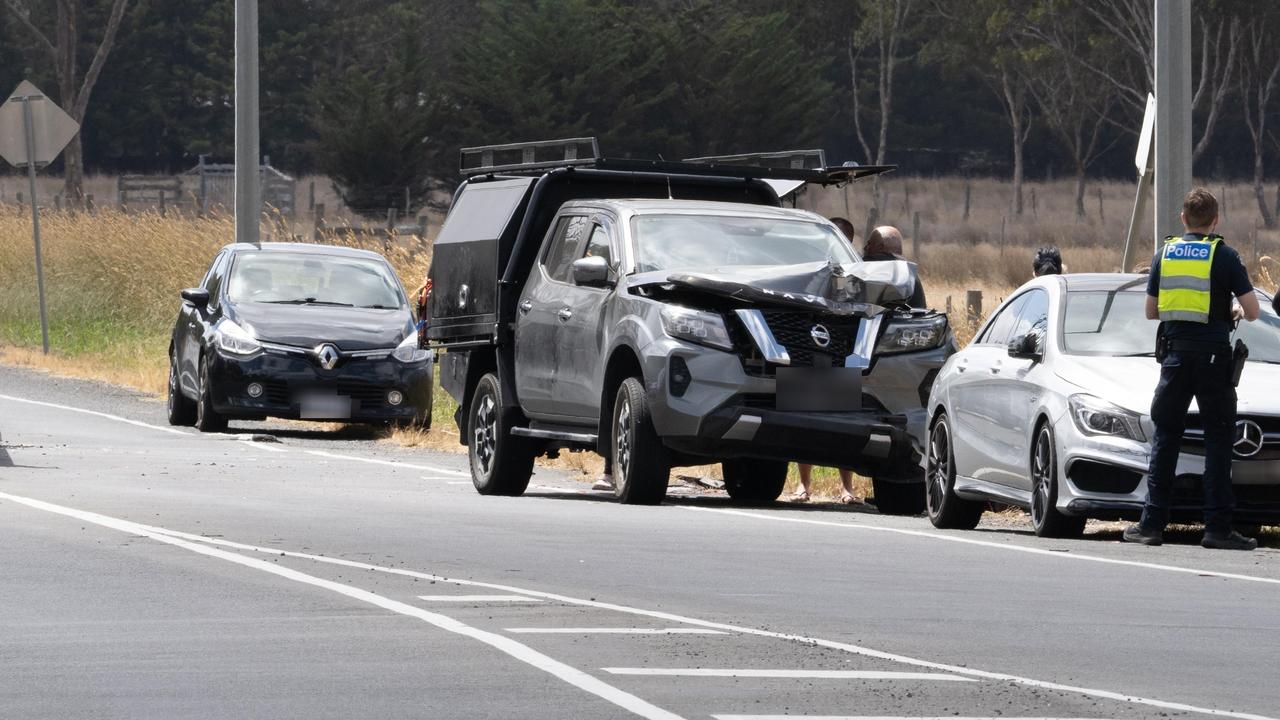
(294, 278)
(683, 242)
(1115, 323)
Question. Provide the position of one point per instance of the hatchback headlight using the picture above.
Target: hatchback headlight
(1095, 416)
(696, 326)
(409, 352)
(909, 334)
(234, 340)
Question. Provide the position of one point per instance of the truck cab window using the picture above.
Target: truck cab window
(564, 247)
(598, 245)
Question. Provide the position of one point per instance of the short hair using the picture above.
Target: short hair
(1047, 261)
(845, 226)
(1200, 208)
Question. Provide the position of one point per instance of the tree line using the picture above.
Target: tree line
(380, 94)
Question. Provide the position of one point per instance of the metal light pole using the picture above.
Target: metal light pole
(248, 193)
(35, 216)
(1173, 114)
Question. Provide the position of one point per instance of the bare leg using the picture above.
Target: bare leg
(846, 483)
(806, 477)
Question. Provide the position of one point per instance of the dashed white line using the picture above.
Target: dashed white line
(987, 543)
(108, 416)
(879, 717)
(388, 463)
(479, 598)
(613, 631)
(517, 650)
(788, 674)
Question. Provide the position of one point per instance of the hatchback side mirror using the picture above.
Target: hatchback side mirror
(591, 271)
(1025, 347)
(196, 296)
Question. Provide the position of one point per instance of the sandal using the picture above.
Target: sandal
(800, 496)
(847, 499)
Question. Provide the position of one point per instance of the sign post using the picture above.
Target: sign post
(33, 131)
(1144, 160)
(248, 173)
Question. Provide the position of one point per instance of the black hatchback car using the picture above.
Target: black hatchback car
(297, 331)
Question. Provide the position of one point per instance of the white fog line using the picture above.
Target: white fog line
(108, 416)
(516, 650)
(787, 674)
(745, 630)
(261, 445)
(879, 717)
(1013, 547)
(612, 631)
(479, 598)
(389, 463)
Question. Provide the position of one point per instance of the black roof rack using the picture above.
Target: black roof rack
(538, 157)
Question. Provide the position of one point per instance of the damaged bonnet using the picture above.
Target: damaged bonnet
(851, 289)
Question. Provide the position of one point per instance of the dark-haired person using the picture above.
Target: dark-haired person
(1047, 261)
(1191, 287)
(846, 228)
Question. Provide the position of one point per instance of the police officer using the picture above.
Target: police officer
(1192, 282)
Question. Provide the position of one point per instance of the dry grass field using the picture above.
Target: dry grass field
(113, 278)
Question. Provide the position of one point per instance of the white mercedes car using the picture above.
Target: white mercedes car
(1048, 409)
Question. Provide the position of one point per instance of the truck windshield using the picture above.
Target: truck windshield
(1114, 323)
(689, 242)
(300, 279)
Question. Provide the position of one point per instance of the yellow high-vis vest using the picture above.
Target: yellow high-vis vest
(1185, 267)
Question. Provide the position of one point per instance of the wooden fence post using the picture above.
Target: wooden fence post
(915, 236)
(163, 206)
(318, 216)
(88, 205)
(973, 304)
(21, 202)
(948, 304)
(311, 197)
(968, 191)
(1102, 216)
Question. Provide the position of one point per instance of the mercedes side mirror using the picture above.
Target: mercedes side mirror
(196, 296)
(591, 272)
(1025, 347)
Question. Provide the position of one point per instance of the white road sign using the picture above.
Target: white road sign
(51, 126)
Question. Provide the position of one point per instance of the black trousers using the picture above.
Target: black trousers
(1206, 377)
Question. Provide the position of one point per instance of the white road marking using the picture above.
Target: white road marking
(478, 598)
(879, 717)
(261, 445)
(745, 630)
(389, 463)
(792, 674)
(517, 650)
(108, 416)
(613, 631)
(451, 482)
(999, 546)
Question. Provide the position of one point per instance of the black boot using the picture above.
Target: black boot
(1134, 534)
(1228, 541)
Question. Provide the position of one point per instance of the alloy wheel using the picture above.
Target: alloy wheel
(622, 431)
(1042, 477)
(486, 433)
(172, 400)
(938, 467)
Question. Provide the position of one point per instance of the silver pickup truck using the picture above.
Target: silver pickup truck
(677, 315)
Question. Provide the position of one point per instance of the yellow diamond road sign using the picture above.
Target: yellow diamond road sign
(53, 128)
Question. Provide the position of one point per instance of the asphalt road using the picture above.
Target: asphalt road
(148, 572)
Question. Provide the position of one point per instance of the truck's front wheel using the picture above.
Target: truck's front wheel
(754, 482)
(501, 463)
(899, 498)
(641, 467)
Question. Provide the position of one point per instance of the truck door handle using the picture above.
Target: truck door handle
(564, 314)
(995, 369)
(525, 307)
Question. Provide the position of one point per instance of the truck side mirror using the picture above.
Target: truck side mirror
(591, 272)
(1025, 347)
(196, 296)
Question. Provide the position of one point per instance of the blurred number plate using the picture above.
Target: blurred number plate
(316, 406)
(819, 389)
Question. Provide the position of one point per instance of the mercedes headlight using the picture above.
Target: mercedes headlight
(409, 352)
(234, 340)
(909, 334)
(1095, 416)
(696, 326)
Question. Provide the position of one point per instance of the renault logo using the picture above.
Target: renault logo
(821, 336)
(328, 356)
(1248, 439)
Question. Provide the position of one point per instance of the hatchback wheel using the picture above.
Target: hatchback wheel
(1045, 517)
(946, 509)
(181, 410)
(207, 419)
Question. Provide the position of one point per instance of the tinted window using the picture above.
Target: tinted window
(213, 281)
(1033, 318)
(598, 245)
(999, 330)
(564, 247)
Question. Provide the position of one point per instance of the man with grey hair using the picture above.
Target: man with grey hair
(885, 243)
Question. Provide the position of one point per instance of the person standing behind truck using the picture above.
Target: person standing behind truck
(1190, 289)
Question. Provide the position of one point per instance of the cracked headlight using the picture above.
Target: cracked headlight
(234, 340)
(409, 352)
(909, 334)
(1095, 416)
(695, 326)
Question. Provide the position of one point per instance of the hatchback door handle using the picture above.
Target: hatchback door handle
(525, 307)
(564, 314)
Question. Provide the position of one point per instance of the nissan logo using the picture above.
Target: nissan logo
(1248, 439)
(327, 355)
(821, 336)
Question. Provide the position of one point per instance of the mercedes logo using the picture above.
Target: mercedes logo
(821, 336)
(1248, 439)
(327, 355)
